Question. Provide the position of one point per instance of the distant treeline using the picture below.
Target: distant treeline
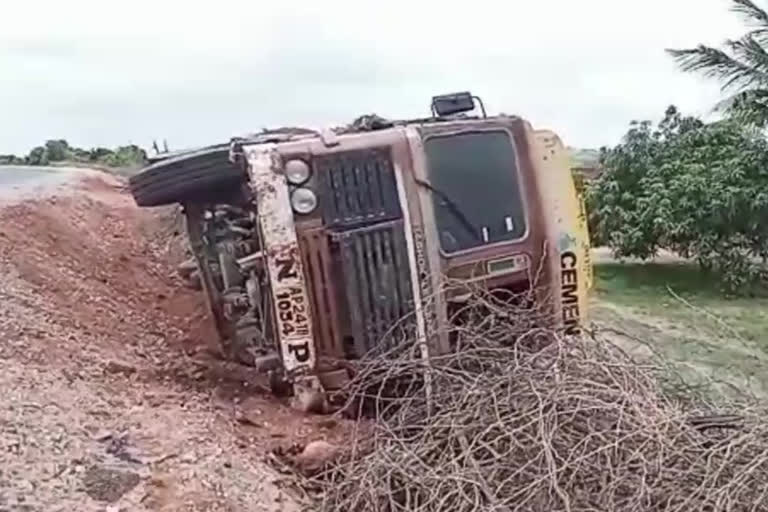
(55, 151)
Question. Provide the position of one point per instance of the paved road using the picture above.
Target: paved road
(20, 182)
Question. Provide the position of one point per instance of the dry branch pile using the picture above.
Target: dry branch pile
(542, 424)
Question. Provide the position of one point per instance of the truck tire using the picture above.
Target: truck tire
(199, 176)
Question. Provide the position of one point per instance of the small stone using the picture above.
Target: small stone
(108, 485)
(119, 367)
(103, 435)
(244, 419)
(328, 424)
(187, 268)
(315, 455)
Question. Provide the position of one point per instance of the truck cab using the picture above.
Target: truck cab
(325, 247)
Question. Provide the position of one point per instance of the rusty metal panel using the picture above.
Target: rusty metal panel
(378, 285)
(316, 255)
(358, 187)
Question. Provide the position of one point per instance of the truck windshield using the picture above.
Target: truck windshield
(478, 172)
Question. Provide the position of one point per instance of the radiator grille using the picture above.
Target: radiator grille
(378, 285)
(316, 257)
(358, 188)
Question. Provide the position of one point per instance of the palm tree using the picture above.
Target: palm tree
(741, 66)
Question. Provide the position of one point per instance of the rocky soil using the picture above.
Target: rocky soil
(108, 400)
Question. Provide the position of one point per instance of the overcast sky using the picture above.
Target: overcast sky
(99, 72)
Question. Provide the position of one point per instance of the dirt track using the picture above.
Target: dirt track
(108, 401)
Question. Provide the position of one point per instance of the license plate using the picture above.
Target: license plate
(292, 316)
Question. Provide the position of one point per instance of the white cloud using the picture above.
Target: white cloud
(105, 73)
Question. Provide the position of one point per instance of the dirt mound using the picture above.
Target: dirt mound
(107, 397)
(88, 263)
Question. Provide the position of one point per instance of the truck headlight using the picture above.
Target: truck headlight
(297, 171)
(303, 201)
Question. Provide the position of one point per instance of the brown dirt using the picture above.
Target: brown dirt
(108, 398)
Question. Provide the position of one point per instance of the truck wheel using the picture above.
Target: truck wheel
(200, 176)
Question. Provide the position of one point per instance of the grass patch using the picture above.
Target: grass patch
(645, 288)
(678, 311)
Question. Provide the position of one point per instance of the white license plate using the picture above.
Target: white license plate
(292, 313)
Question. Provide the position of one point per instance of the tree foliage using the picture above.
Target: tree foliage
(124, 156)
(11, 160)
(700, 190)
(741, 66)
(38, 156)
(59, 151)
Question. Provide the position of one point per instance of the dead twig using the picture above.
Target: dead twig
(519, 418)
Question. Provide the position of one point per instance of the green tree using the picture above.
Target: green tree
(81, 155)
(126, 156)
(130, 157)
(38, 156)
(700, 190)
(99, 154)
(57, 150)
(11, 160)
(740, 65)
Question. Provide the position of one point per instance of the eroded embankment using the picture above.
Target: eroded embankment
(106, 400)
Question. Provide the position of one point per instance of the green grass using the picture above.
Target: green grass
(650, 289)
(679, 312)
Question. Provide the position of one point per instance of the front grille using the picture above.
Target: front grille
(377, 279)
(316, 257)
(358, 187)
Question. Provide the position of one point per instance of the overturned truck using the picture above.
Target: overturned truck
(316, 248)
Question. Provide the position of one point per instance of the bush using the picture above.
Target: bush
(700, 190)
(38, 156)
(125, 156)
(11, 160)
(59, 150)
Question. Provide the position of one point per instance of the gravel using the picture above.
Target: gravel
(99, 407)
